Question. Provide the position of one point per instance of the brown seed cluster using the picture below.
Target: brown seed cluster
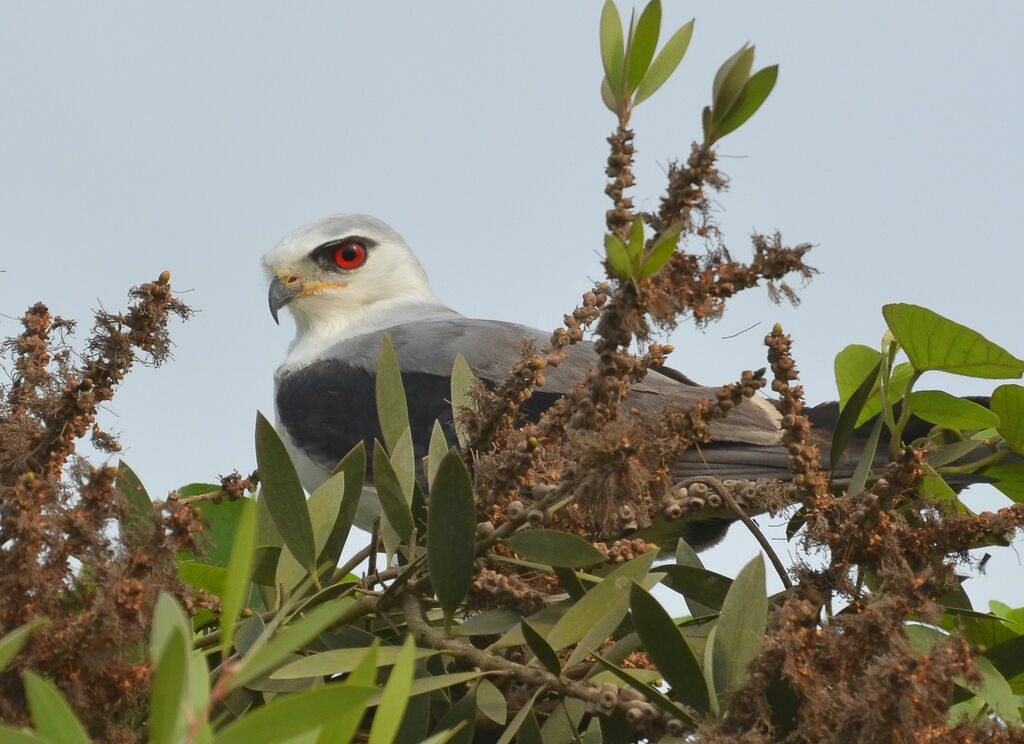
(59, 559)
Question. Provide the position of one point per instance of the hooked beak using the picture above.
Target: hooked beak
(281, 294)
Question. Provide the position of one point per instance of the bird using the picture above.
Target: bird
(349, 279)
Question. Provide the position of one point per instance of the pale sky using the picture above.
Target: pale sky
(141, 137)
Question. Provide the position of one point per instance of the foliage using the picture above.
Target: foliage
(514, 601)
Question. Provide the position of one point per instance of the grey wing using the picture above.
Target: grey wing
(491, 347)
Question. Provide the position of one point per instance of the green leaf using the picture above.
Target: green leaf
(606, 599)
(140, 506)
(933, 342)
(282, 492)
(618, 256)
(51, 714)
(436, 451)
(10, 735)
(462, 714)
(342, 661)
(220, 524)
(491, 701)
(661, 251)
(852, 411)
(518, 720)
(754, 93)
(236, 581)
(463, 384)
(669, 651)
(555, 548)
(608, 98)
(392, 410)
(170, 674)
(541, 649)
(649, 692)
(451, 531)
(705, 587)
(389, 490)
(645, 41)
(851, 366)
(1008, 404)
(403, 459)
(349, 474)
(741, 624)
(635, 247)
(287, 718)
(993, 688)
(12, 642)
(867, 458)
(293, 638)
(950, 411)
(612, 48)
(1009, 479)
(665, 63)
(395, 697)
(570, 581)
(729, 81)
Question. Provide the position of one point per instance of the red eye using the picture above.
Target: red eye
(350, 255)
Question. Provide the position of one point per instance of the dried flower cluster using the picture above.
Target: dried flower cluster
(59, 558)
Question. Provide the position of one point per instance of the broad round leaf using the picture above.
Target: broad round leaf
(936, 343)
(950, 411)
(1008, 404)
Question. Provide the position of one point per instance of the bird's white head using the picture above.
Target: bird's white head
(344, 274)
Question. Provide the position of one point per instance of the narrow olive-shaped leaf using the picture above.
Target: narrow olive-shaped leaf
(395, 697)
(287, 718)
(649, 692)
(51, 714)
(237, 578)
(740, 627)
(850, 414)
(754, 93)
(1008, 404)
(12, 642)
(436, 451)
(635, 247)
(282, 493)
(518, 720)
(645, 41)
(448, 735)
(932, 341)
(541, 649)
(349, 474)
(612, 594)
(667, 648)
(665, 63)
(451, 529)
(169, 620)
(140, 506)
(705, 587)
(618, 256)
(570, 581)
(463, 712)
(951, 452)
(364, 670)
(950, 411)
(392, 410)
(608, 98)
(166, 699)
(491, 701)
(463, 384)
(342, 661)
(288, 641)
(389, 490)
(555, 548)
(729, 82)
(867, 458)
(661, 251)
(11, 735)
(612, 46)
